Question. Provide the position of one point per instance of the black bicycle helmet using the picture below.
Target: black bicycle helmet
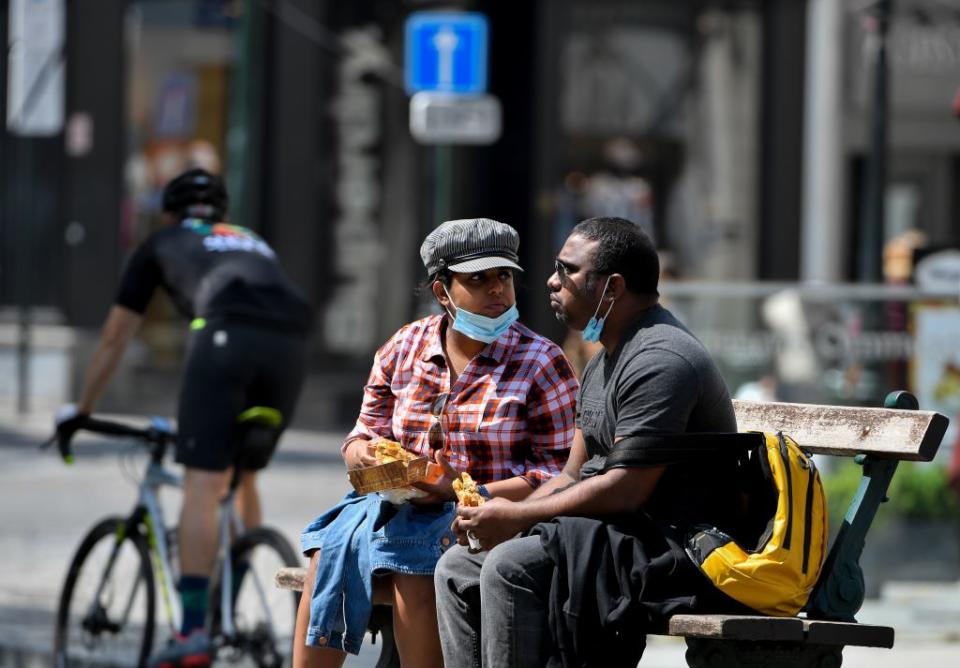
(196, 194)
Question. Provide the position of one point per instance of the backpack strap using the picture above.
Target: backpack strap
(662, 449)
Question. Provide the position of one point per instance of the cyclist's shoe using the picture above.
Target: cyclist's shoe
(192, 651)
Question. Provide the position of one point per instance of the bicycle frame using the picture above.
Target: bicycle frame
(149, 509)
(156, 477)
(148, 513)
(147, 519)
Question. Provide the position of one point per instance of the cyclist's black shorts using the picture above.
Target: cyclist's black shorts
(231, 367)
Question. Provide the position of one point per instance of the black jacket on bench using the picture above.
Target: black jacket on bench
(617, 580)
(614, 583)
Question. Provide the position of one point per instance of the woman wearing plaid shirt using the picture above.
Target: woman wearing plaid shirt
(473, 388)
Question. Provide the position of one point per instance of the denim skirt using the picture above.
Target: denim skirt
(402, 538)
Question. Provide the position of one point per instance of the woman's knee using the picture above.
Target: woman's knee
(414, 589)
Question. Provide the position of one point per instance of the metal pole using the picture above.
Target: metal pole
(442, 184)
(822, 230)
(25, 223)
(874, 209)
(244, 146)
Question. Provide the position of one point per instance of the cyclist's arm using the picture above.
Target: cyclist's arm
(119, 328)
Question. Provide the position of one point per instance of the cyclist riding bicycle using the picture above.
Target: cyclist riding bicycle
(247, 348)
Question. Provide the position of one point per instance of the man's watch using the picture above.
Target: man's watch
(484, 492)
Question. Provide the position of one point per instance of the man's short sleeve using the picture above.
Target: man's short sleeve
(140, 278)
(657, 394)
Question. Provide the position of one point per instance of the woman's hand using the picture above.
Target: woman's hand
(359, 453)
(439, 490)
(492, 523)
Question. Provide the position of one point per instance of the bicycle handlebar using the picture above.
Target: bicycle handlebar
(158, 433)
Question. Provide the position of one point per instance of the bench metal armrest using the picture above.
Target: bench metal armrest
(839, 592)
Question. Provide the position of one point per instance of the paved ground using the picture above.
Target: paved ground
(46, 506)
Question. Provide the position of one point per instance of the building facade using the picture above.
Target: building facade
(686, 117)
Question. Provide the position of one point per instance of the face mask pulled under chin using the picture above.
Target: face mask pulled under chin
(591, 333)
(480, 327)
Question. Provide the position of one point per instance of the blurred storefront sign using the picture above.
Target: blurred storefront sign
(831, 343)
(35, 99)
(350, 319)
(176, 111)
(924, 47)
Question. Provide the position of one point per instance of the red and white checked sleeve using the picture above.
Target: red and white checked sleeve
(550, 417)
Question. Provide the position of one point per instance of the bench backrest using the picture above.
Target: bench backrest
(886, 433)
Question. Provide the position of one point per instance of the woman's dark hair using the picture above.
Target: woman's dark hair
(445, 276)
(623, 249)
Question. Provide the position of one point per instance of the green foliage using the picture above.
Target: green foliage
(840, 484)
(919, 491)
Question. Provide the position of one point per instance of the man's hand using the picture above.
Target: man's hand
(492, 523)
(440, 489)
(359, 453)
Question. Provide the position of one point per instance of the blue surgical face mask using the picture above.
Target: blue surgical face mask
(480, 327)
(591, 333)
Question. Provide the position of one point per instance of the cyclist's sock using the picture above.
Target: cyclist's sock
(193, 598)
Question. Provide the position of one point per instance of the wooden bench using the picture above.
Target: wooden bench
(879, 438)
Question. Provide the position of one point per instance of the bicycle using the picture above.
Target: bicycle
(107, 610)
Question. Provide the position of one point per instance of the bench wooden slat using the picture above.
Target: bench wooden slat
(291, 578)
(780, 629)
(845, 633)
(845, 430)
(737, 627)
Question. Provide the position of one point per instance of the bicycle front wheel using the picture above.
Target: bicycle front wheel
(263, 615)
(106, 612)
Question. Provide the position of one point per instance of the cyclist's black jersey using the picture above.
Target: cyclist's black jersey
(214, 269)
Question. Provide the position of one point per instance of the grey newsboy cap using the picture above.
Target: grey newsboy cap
(469, 245)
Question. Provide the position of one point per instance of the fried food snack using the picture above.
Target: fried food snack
(467, 492)
(390, 451)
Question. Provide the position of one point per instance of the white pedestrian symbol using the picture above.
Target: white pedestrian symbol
(446, 42)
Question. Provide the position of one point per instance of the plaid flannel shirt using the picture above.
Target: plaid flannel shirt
(510, 413)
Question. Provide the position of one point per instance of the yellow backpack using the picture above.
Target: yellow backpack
(777, 576)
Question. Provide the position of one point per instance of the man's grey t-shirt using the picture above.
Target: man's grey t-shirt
(660, 380)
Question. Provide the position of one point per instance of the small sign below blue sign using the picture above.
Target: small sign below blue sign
(446, 52)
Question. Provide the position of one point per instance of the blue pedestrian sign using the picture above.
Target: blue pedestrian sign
(446, 52)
